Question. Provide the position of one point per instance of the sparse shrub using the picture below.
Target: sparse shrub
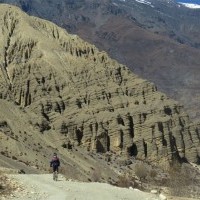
(30, 122)
(141, 171)
(16, 137)
(182, 181)
(43, 125)
(14, 158)
(136, 102)
(96, 175)
(5, 186)
(124, 181)
(1, 180)
(153, 173)
(176, 183)
(107, 158)
(64, 145)
(21, 171)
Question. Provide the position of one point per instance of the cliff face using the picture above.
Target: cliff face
(72, 92)
(158, 41)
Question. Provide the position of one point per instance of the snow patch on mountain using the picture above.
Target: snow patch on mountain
(190, 5)
(144, 2)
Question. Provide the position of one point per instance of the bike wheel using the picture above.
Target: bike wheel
(56, 176)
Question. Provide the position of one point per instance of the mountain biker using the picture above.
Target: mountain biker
(55, 163)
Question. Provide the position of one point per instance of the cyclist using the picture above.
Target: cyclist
(55, 163)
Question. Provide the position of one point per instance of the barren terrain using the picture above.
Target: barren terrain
(42, 187)
(158, 42)
(61, 94)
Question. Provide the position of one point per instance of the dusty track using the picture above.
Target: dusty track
(42, 187)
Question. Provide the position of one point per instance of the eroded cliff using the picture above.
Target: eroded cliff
(73, 92)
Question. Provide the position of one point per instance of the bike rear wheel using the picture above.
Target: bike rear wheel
(55, 176)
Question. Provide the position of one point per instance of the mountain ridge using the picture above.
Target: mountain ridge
(59, 93)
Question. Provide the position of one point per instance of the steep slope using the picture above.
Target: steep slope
(59, 92)
(158, 40)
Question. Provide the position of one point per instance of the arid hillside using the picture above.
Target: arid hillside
(158, 40)
(60, 93)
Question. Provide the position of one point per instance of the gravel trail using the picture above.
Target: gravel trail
(42, 187)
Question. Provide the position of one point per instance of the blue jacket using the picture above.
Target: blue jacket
(55, 162)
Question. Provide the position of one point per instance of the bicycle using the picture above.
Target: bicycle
(55, 176)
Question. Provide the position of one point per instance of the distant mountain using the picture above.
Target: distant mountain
(158, 40)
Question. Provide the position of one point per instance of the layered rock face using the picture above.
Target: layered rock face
(158, 40)
(73, 91)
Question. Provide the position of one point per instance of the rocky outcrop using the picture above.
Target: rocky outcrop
(73, 90)
(5, 129)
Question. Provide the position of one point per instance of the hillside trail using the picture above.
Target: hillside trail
(42, 187)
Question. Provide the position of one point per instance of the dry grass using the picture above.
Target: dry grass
(124, 181)
(96, 175)
(1, 181)
(183, 181)
(153, 173)
(5, 186)
(141, 171)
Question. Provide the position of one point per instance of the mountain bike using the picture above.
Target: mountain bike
(55, 176)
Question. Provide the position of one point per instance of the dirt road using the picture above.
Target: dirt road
(42, 187)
